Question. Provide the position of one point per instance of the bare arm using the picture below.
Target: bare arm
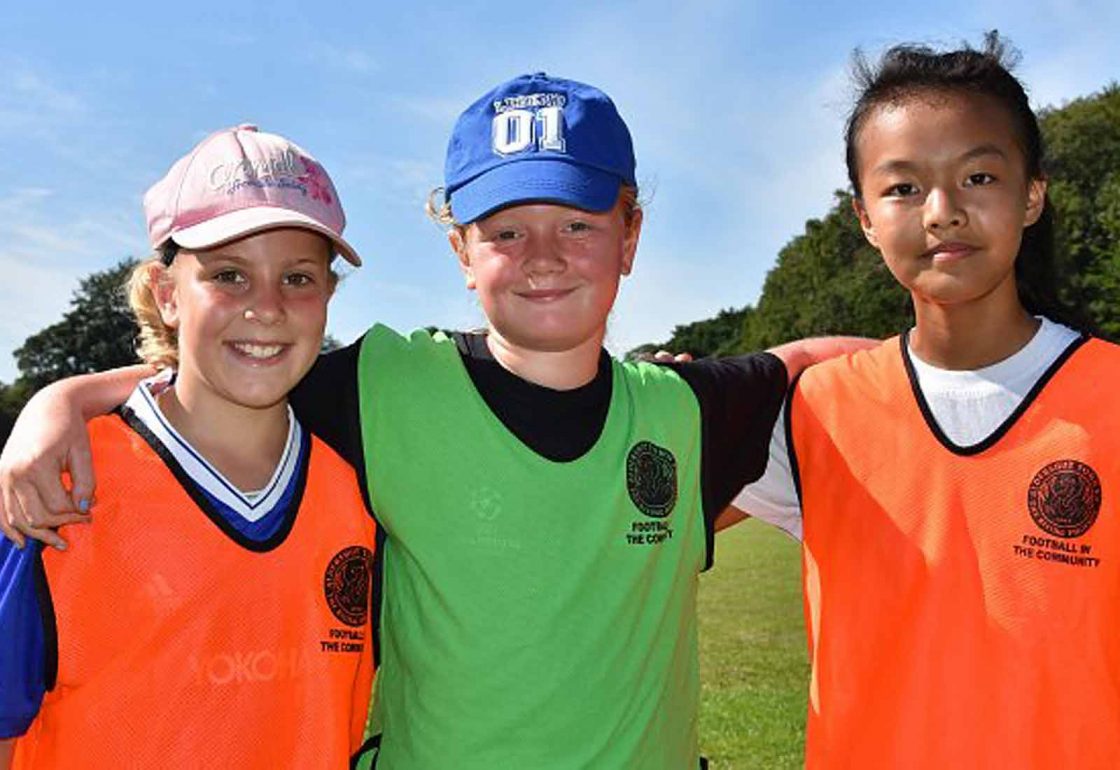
(6, 747)
(801, 354)
(730, 517)
(48, 439)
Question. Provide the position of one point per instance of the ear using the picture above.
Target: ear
(1036, 200)
(163, 289)
(865, 222)
(456, 237)
(630, 241)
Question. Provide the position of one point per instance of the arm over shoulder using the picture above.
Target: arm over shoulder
(739, 398)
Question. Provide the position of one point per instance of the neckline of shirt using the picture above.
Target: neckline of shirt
(252, 505)
(1017, 373)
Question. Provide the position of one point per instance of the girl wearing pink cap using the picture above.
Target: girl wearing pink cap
(155, 639)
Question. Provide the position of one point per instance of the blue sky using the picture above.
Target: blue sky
(736, 110)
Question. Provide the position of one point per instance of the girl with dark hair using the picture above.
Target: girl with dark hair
(954, 488)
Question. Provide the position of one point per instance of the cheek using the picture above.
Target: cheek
(200, 309)
(309, 311)
(897, 228)
(492, 272)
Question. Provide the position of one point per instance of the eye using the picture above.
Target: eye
(979, 179)
(505, 235)
(902, 190)
(299, 279)
(229, 276)
(578, 226)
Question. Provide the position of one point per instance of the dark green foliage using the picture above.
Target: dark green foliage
(827, 281)
(716, 336)
(97, 332)
(12, 399)
(1083, 145)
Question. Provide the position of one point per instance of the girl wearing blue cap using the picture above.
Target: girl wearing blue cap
(547, 509)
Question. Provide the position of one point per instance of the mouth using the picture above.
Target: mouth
(258, 352)
(544, 296)
(949, 251)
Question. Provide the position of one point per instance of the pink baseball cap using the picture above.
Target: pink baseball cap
(241, 181)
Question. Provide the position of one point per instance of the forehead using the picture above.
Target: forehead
(543, 212)
(934, 126)
(285, 244)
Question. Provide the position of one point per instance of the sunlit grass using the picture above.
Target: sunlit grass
(753, 663)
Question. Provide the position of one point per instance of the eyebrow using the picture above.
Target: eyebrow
(982, 150)
(229, 256)
(889, 166)
(215, 255)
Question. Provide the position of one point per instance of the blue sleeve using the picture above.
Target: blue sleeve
(22, 640)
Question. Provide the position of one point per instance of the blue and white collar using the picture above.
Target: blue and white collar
(251, 506)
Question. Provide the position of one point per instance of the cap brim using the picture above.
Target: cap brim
(238, 224)
(537, 180)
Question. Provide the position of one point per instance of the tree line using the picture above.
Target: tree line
(827, 280)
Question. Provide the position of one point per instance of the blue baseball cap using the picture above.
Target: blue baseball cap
(537, 139)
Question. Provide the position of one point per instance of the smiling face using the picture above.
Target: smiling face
(547, 275)
(249, 316)
(945, 195)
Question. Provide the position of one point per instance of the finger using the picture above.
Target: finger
(682, 358)
(8, 530)
(42, 493)
(46, 536)
(664, 356)
(33, 512)
(8, 517)
(79, 461)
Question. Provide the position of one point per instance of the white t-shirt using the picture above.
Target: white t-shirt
(968, 406)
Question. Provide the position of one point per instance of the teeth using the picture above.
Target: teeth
(258, 351)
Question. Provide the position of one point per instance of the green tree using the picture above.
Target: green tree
(12, 399)
(716, 336)
(97, 333)
(1083, 147)
(827, 281)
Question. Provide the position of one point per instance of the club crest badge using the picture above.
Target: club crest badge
(651, 479)
(1064, 498)
(346, 584)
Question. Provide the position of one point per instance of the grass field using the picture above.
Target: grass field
(753, 663)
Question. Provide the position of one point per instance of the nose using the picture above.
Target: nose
(265, 306)
(943, 211)
(545, 255)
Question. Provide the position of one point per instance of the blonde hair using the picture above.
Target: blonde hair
(158, 343)
(438, 207)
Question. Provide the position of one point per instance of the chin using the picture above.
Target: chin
(543, 342)
(258, 397)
